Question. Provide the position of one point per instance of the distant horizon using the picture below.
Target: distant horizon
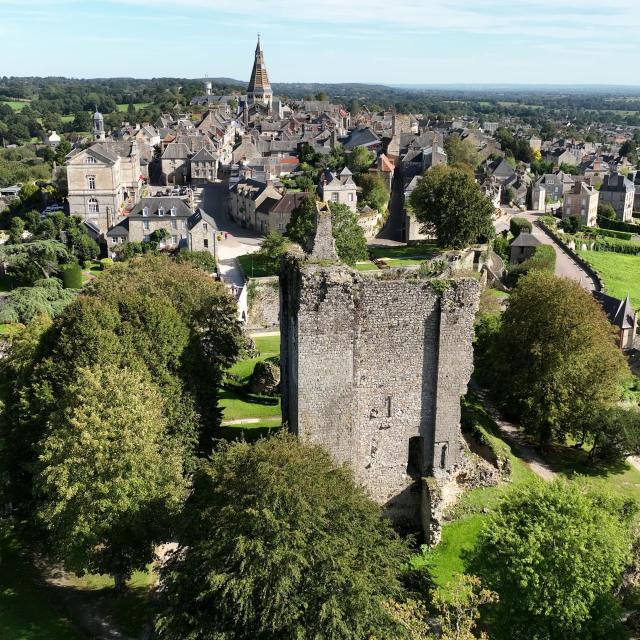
(416, 42)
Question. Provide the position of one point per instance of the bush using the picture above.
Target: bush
(72, 277)
(202, 260)
(518, 225)
(543, 259)
(617, 246)
(549, 221)
(570, 224)
(617, 225)
(501, 247)
(610, 233)
(105, 263)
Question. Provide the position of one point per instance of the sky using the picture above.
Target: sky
(373, 41)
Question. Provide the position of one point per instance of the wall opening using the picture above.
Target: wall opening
(415, 463)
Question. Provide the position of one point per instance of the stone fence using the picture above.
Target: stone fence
(584, 265)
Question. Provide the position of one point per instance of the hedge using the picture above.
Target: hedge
(618, 225)
(105, 263)
(610, 233)
(517, 225)
(617, 246)
(72, 277)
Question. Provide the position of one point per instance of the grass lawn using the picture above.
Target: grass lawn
(130, 610)
(366, 266)
(26, 610)
(417, 252)
(254, 266)
(620, 273)
(16, 105)
(68, 118)
(239, 405)
(137, 105)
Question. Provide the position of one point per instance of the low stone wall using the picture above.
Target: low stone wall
(581, 261)
(264, 303)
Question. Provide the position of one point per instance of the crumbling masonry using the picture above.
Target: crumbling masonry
(373, 368)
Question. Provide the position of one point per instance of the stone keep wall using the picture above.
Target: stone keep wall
(373, 367)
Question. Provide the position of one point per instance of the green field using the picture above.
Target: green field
(254, 266)
(16, 105)
(237, 404)
(620, 273)
(137, 105)
(418, 252)
(366, 266)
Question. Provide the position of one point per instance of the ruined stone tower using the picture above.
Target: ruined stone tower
(373, 368)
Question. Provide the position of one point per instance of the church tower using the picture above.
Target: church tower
(259, 90)
(98, 126)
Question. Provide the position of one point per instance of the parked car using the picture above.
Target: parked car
(184, 191)
(175, 191)
(159, 194)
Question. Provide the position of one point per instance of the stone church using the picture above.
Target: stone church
(374, 365)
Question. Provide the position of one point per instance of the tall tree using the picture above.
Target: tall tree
(374, 191)
(291, 549)
(553, 553)
(360, 159)
(107, 479)
(556, 356)
(461, 152)
(449, 203)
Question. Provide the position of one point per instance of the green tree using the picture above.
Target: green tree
(202, 260)
(351, 244)
(291, 549)
(374, 191)
(273, 246)
(302, 224)
(554, 553)
(107, 479)
(556, 356)
(30, 261)
(605, 210)
(461, 152)
(614, 434)
(449, 203)
(360, 159)
(16, 229)
(24, 304)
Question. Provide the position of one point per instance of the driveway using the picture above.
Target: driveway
(235, 241)
(566, 267)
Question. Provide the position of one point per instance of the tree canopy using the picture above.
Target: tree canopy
(554, 552)
(449, 203)
(461, 152)
(556, 357)
(279, 542)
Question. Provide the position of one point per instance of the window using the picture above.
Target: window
(145, 212)
(93, 205)
(145, 225)
(114, 240)
(183, 224)
(335, 197)
(91, 182)
(205, 226)
(174, 239)
(173, 211)
(146, 238)
(90, 160)
(161, 211)
(351, 197)
(174, 224)
(206, 243)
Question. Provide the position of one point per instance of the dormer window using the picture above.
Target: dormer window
(161, 211)
(173, 211)
(145, 212)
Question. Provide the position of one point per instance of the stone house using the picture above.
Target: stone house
(187, 230)
(204, 166)
(523, 247)
(619, 192)
(622, 316)
(550, 188)
(582, 201)
(339, 188)
(274, 214)
(52, 140)
(102, 181)
(174, 163)
(246, 196)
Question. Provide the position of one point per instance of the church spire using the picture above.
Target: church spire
(259, 89)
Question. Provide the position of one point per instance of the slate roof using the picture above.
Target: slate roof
(289, 202)
(121, 230)
(176, 151)
(154, 204)
(616, 182)
(620, 312)
(204, 155)
(525, 239)
(199, 216)
(361, 137)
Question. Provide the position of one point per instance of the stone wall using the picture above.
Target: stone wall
(373, 367)
(264, 303)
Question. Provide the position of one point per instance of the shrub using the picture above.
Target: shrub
(543, 259)
(617, 225)
(550, 221)
(202, 260)
(518, 225)
(72, 277)
(570, 224)
(105, 263)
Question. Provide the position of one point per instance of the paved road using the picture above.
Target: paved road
(566, 267)
(235, 241)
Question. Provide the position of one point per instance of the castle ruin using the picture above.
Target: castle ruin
(373, 368)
